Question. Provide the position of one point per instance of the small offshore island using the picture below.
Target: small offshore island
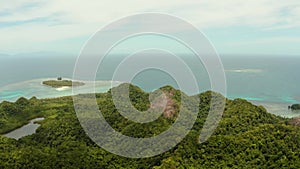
(295, 107)
(62, 83)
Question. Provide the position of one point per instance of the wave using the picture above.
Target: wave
(244, 70)
(63, 88)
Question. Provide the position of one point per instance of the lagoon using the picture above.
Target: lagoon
(25, 130)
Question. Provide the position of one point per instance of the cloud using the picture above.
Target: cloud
(270, 40)
(50, 21)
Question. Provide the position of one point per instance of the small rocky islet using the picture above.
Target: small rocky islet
(59, 82)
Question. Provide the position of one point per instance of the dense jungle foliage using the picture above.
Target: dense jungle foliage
(247, 136)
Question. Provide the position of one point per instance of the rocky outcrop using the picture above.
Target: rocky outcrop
(295, 121)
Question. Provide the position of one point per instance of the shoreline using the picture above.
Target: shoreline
(36, 88)
(277, 108)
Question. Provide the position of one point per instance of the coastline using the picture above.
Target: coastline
(35, 88)
(277, 108)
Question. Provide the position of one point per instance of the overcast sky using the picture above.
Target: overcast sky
(270, 27)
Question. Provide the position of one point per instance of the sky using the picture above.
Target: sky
(256, 27)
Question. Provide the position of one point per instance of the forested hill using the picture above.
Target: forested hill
(246, 137)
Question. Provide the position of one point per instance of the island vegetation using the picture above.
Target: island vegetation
(247, 136)
(62, 83)
(295, 107)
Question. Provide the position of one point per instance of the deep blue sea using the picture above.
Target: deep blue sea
(272, 81)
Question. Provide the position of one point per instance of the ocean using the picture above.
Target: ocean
(271, 81)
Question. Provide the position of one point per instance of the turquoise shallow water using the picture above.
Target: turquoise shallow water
(271, 81)
(35, 88)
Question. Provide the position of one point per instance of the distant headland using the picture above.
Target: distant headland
(294, 107)
(59, 82)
